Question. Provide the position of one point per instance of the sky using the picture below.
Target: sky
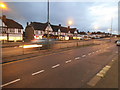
(86, 16)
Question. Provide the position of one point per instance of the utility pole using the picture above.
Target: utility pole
(48, 21)
(111, 28)
(2, 23)
(48, 25)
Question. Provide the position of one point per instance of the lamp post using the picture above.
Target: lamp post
(70, 22)
(59, 34)
(111, 29)
(48, 20)
(2, 6)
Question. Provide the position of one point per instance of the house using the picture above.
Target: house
(98, 34)
(37, 30)
(64, 32)
(10, 30)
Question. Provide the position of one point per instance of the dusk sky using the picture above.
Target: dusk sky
(85, 15)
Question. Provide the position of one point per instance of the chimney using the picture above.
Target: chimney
(59, 25)
(4, 18)
(27, 23)
(68, 27)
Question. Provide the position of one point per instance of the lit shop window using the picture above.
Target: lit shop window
(37, 37)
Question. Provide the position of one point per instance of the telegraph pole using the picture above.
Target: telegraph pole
(111, 29)
(48, 21)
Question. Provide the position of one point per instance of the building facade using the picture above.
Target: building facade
(37, 30)
(10, 30)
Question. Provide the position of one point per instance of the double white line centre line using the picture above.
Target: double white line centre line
(56, 66)
(68, 61)
(38, 72)
(10, 83)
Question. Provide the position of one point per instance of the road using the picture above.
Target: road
(67, 69)
(16, 50)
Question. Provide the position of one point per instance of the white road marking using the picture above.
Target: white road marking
(83, 55)
(55, 66)
(89, 54)
(38, 72)
(77, 58)
(112, 60)
(10, 82)
(96, 51)
(68, 61)
(116, 52)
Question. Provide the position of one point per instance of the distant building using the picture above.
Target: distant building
(37, 30)
(11, 30)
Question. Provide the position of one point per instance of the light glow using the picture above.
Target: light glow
(2, 5)
(70, 22)
(30, 46)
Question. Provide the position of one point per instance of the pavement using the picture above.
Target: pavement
(68, 69)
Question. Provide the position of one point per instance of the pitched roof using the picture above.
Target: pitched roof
(83, 33)
(55, 28)
(42, 26)
(38, 25)
(11, 23)
(72, 30)
(63, 29)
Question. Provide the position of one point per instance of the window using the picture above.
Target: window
(12, 30)
(4, 30)
(19, 30)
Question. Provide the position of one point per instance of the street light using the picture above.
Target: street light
(70, 22)
(110, 29)
(2, 6)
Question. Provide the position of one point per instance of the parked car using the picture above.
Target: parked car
(118, 43)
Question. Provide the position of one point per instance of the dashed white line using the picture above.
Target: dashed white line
(68, 61)
(96, 51)
(77, 58)
(38, 72)
(83, 55)
(89, 54)
(112, 60)
(10, 82)
(116, 52)
(55, 66)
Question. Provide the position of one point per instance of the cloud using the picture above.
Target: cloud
(103, 14)
(85, 15)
